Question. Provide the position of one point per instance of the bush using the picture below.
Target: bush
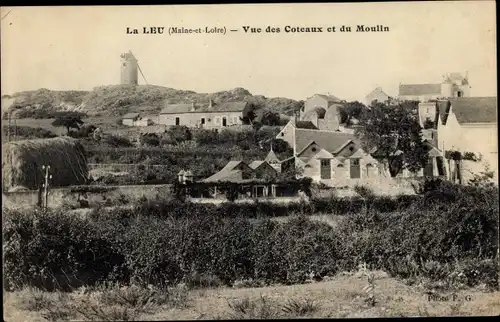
(450, 239)
(150, 139)
(117, 141)
(26, 132)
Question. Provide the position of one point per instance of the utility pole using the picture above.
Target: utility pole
(9, 128)
(46, 185)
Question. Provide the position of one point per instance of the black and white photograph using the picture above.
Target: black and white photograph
(249, 161)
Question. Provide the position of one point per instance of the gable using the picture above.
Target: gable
(310, 150)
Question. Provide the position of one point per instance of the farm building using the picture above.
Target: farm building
(211, 116)
(23, 160)
(130, 119)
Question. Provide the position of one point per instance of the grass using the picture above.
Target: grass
(341, 296)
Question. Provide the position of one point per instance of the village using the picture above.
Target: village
(323, 147)
(241, 172)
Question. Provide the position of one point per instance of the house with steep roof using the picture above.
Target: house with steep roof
(333, 158)
(323, 111)
(209, 116)
(469, 125)
(453, 85)
(377, 95)
(255, 179)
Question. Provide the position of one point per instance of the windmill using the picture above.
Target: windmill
(129, 68)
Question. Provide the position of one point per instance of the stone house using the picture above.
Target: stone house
(453, 85)
(333, 158)
(378, 95)
(322, 111)
(211, 116)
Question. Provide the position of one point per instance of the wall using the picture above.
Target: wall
(287, 134)
(194, 119)
(332, 120)
(129, 74)
(129, 122)
(315, 101)
(63, 196)
(426, 110)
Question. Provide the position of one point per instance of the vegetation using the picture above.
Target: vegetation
(452, 242)
(116, 100)
(69, 121)
(395, 134)
(26, 132)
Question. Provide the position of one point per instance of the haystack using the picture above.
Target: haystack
(22, 163)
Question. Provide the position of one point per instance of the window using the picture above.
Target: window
(313, 149)
(354, 161)
(282, 134)
(177, 121)
(325, 163)
(224, 121)
(351, 148)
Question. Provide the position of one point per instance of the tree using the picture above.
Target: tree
(249, 114)
(69, 121)
(351, 110)
(150, 139)
(428, 124)
(270, 118)
(394, 133)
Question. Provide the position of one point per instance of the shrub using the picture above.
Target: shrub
(450, 239)
(26, 132)
(150, 139)
(117, 141)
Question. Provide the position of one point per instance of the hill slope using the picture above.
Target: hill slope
(117, 100)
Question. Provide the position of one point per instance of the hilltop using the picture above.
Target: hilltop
(116, 100)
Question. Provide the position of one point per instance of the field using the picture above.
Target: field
(339, 297)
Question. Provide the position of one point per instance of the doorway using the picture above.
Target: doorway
(224, 121)
(326, 170)
(355, 169)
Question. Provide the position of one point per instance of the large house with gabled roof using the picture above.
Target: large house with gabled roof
(453, 85)
(332, 158)
(209, 116)
(469, 125)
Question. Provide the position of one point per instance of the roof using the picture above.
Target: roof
(377, 90)
(475, 109)
(328, 140)
(237, 106)
(454, 77)
(131, 115)
(227, 171)
(272, 157)
(329, 98)
(419, 89)
(255, 164)
(305, 125)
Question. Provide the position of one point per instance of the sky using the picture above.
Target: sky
(78, 48)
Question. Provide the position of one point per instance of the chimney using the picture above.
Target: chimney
(192, 106)
(210, 104)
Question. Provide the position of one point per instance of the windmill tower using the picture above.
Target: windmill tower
(129, 66)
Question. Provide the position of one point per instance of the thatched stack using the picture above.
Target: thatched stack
(23, 160)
